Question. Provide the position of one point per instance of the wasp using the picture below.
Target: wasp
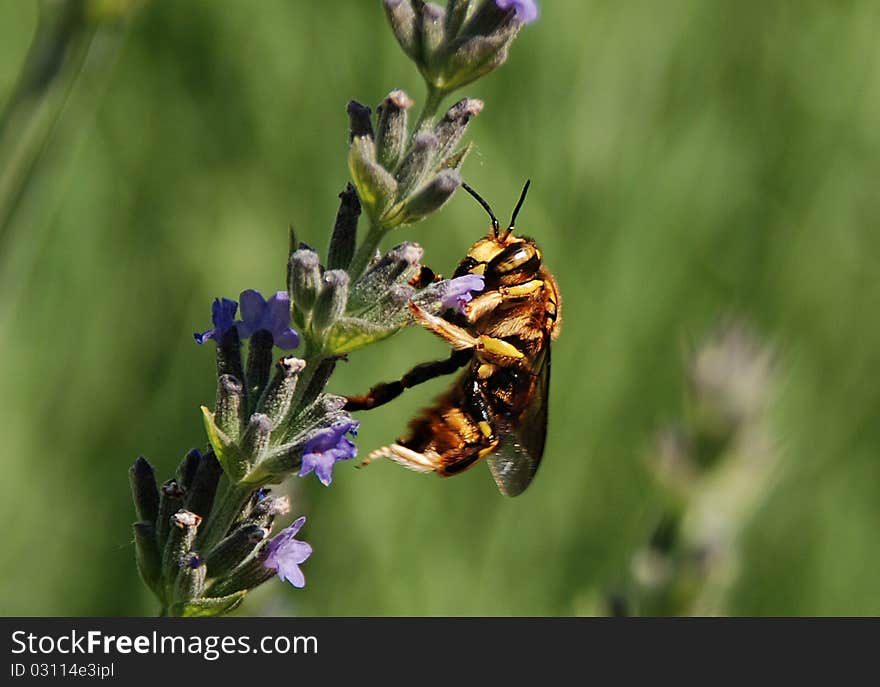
(497, 408)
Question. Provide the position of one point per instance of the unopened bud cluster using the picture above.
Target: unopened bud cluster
(266, 446)
(402, 179)
(189, 575)
(338, 315)
(457, 44)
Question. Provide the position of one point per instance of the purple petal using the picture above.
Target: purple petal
(222, 315)
(204, 336)
(285, 553)
(307, 466)
(324, 468)
(526, 10)
(253, 305)
(296, 525)
(297, 552)
(292, 574)
(326, 448)
(288, 339)
(277, 315)
(458, 291)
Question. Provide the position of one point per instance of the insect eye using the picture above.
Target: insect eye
(520, 257)
(465, 266)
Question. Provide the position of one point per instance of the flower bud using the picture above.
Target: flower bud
(397, 265)
(375, 186)
(457, 12)
(451, 128)
(186, 471)
(200, 497)
(265, 511)
(305, 279)
(278, 395)
(396, 298)
(250, 574)
(181, 537)
(229, 409)
(255, 439)
(474, 55)
(331, 301)
(404, 24)
(229, 355)
(431, 197)
(171, 497)
(489, 18)
(144, 491)
(359, 121)
(149, 560)
(325, 405)
(190, 581)
(259, 364)
(417, 163)
(316, 384)
(391, 310)
(433, 28)
(391, 131)
(344, 237)
(234, 549)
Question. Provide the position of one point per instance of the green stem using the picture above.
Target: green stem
(365, 252)
(429, 109)
(52, 66)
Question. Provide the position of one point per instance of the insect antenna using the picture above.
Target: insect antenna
(495, 225)
(519, 204)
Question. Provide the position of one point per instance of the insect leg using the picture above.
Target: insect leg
(419, 462)
(388, 391)
(454, 335)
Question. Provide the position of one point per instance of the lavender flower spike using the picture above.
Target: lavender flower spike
(526, 10)
(273, 316)
(223, 316)
(286, 553)
(458, 291)
(329, 446)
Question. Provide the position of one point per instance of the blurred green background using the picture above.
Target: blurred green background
(688, 160)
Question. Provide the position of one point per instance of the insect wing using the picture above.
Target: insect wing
(514, 463)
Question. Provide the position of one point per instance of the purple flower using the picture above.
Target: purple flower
(223, 316)
(327, 447)
(286, 553)
(526, 10)
(458, 291)
(272, 315)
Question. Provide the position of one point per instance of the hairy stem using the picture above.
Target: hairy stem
(429, 109)
(365, 252)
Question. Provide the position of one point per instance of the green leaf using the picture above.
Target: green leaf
(207, 607)
(351, 333)
(233, 461)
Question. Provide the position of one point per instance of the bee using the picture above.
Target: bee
(497, 408)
